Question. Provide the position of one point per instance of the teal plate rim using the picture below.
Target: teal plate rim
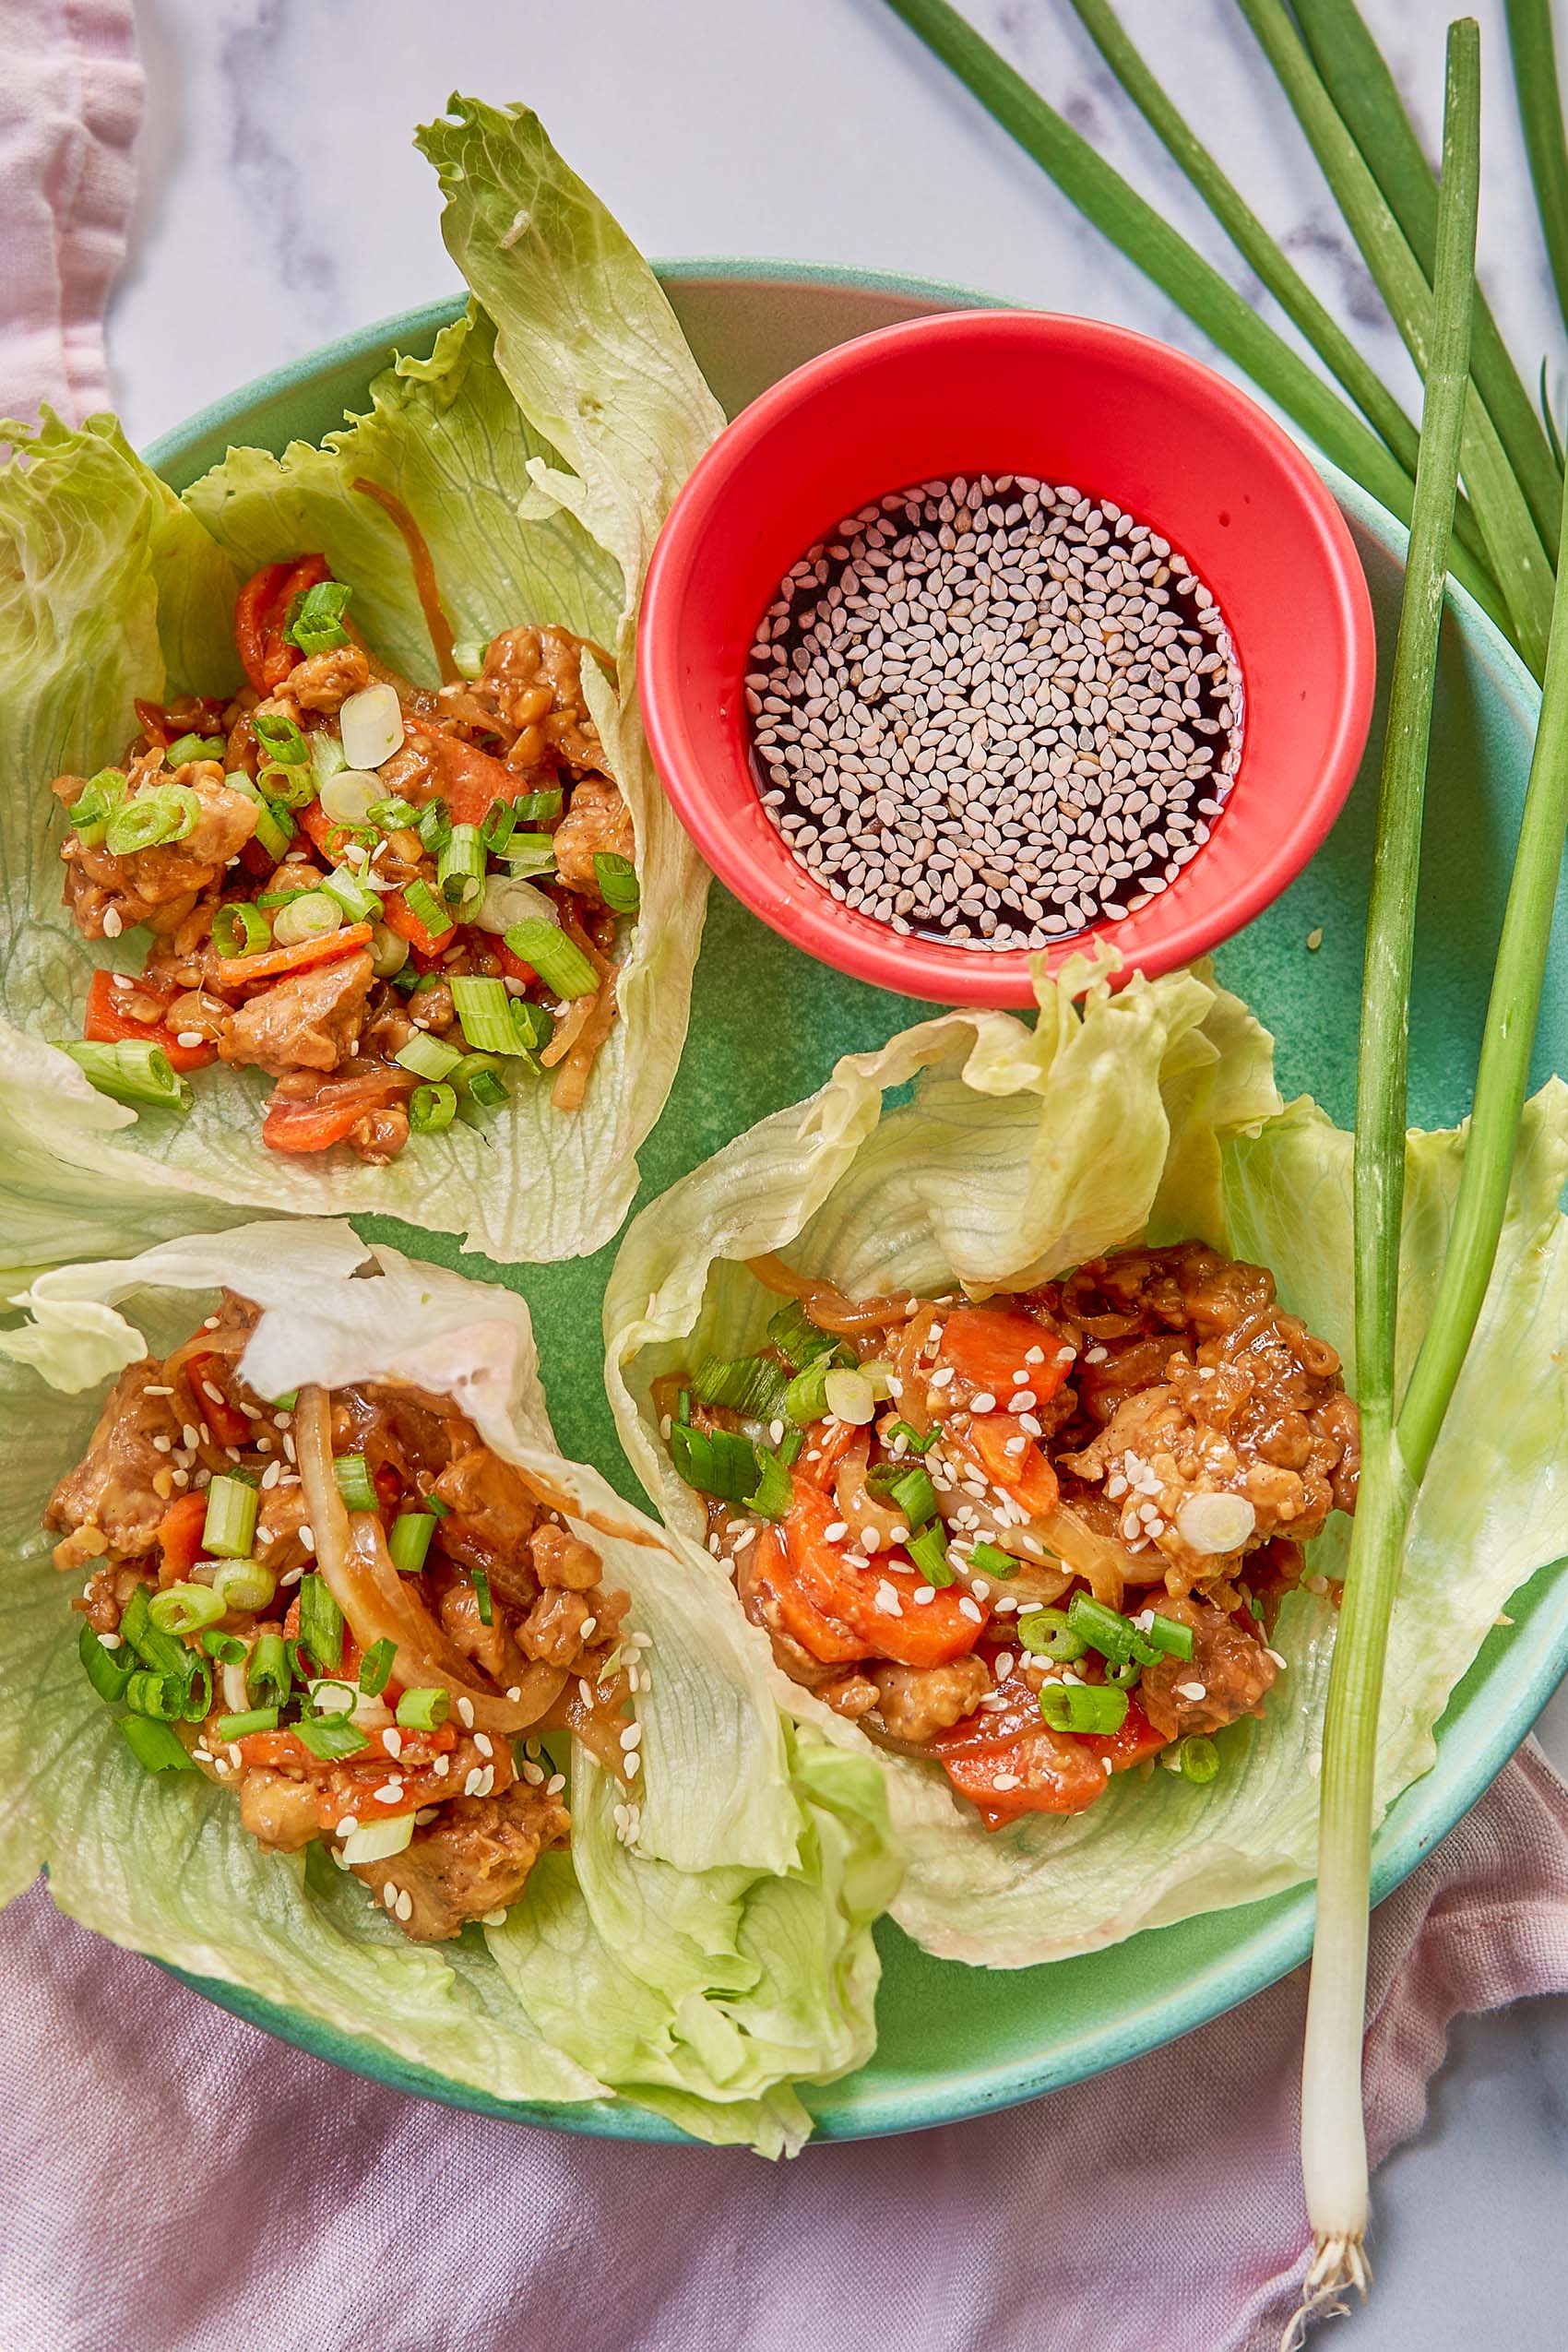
(1469, 1756)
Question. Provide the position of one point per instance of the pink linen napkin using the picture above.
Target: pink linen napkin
(71, 106)
(258, 2195)
(175, 2183)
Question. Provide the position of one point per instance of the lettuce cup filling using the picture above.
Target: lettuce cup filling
(322, 1673)
(1019, 1412)
(371, 900)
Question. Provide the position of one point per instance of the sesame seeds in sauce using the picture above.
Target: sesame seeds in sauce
(994, 712)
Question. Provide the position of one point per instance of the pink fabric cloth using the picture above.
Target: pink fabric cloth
(314, 2209)
(306, 2207)
(71, 106)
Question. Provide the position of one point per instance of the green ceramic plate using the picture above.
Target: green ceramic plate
(766, 1025)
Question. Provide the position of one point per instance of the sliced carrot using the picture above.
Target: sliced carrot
(470, 781)
(105, 1022)
(179, 1537)
(988, 1348)
(1008, 1761)
(206, 1373)
(918, 1632)
(1011, 1460)
(827, 1638)
(327, 1117)
(261, 616)
(273, 963)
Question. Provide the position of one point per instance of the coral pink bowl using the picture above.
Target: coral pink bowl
(1070, 400)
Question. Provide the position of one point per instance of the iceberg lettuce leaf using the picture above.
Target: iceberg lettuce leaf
(1150, 1113)
(113, 588)
(755, 1865)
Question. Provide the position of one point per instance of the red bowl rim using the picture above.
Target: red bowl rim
(908, 965)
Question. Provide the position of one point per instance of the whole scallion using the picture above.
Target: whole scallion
(1334, 2157)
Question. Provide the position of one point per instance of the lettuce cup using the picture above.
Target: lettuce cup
(1020, 1413)
(322, 1673)
(371, 898)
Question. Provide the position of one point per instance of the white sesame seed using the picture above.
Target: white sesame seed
(554, 1785)
(466, 1713)
(971, 1609)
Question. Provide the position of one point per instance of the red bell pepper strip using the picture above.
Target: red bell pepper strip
(106, 1022)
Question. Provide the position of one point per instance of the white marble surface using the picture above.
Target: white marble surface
(283, 203)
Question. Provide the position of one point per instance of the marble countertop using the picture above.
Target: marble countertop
(282, 204)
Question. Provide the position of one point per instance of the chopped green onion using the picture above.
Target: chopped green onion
(990, 1560)
(331, 1737)
(911, 1436)
(805, 1399)
(227, 1648)
(435, 826)
(533, 807)
(354, 1484)
(159, 1696)
(716, 1462)
(423, 1710)
(131, 1072)
(107, 1671)
(186, 1608)
(154, 1746)
(498, 829)
(1105, 1630)
(617, 880)
(274, 827)
(361, 906)
(243, 1583)
(851, 1393)
(166, 813)
(774, 1491)
(156, 1648)
(468, 658)
(1049, 1633)
(426, 909)
(375, 1668)
(1168, 1634)
(459, 869)
(929, 1552)
(241, 1727)
(195, 747)
(286, 1403)
(281, 737)
(431, 1109)
(1199, 1758)
(198, 1688)
(321, 1623)
(315, 619)
(1126, 1675)
(478, 1080)
(286, 788)
(389, 954)
(427, 1057)
(798, 1339)
(788, 1447)
(233, 1505)
(915, 1496)
(1083, 1706)
(559, 961)
(750, 1384)
(437, 1509)
(481, 1583)
(393, 815)
(94, 805)
(531, 853)
(267, 1673)
(410, 1541)
(315, 914)
(239, 929)
(495, 1022)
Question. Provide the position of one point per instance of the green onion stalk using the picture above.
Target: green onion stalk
(1397, 1444)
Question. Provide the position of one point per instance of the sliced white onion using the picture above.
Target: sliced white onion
(506, 902)
(311, 917)
(236, 1698)
(1216, 1523)
(331, 1697)
(348, 797)
(372, 726)
(378, 1840)
(389, 954)
(850, 1396)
